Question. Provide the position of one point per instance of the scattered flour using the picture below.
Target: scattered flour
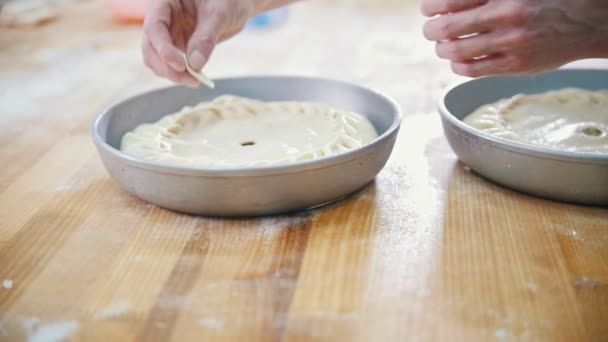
(588, 283)
(33, 329)
(160, 325)
(29, 323)
(174, 302)
(502, 334)
(532, 287)
(275, 224)
(574, 234)
(212, 323)
(54, 331)
(114, 310)
(7, 283)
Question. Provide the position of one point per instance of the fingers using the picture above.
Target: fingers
(512, 42)
(488, 54)
(434, 7)
(456, 25)
(491, 16)
(465, 49)
(162, 69)
(209, 29)
(156, 32)
(494, 37)
(490, 65)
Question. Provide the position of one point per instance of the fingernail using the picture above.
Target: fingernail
(196, 60)
(179, 67)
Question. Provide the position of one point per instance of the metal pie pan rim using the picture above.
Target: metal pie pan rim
(514, 146)
(308, 165)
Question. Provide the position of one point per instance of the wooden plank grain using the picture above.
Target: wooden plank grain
(37, 185)
(333, 282)
(581, 237)
(41, 237)
(259, 282)
(495, 274)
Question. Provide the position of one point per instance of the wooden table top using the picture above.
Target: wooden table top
(428, 252)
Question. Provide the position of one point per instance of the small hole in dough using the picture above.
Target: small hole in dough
(248, 143)
(592, 131)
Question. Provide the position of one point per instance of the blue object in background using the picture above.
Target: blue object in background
(268, 19)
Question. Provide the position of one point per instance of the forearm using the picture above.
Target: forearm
(266, 5)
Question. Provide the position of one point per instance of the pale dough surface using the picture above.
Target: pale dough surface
(568, 119)
(232, 132)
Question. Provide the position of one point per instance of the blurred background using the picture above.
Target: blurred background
(88, 50)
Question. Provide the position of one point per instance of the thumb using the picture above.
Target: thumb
(208, 29)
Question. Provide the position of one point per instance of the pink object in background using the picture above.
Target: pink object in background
(128, 11)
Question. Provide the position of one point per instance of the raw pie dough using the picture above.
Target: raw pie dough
(239, 132)
(569, 119)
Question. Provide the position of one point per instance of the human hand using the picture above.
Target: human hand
(487, 37)
(191, 26)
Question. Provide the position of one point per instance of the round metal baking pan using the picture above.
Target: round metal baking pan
(558, 175)
(247, 191)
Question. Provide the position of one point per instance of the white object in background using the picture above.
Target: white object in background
(17, 13)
